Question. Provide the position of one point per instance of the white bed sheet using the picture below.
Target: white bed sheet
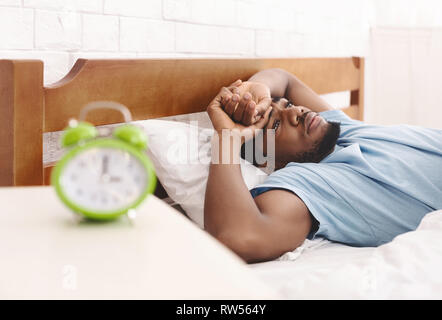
(409, 267)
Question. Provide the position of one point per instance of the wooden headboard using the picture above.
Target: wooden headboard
(150, 88)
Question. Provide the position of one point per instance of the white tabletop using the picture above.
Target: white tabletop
(45, 252)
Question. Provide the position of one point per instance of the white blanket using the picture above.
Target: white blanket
(409, 267)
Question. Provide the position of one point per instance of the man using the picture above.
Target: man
(337, 178)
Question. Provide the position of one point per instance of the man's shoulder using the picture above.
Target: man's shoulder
(302, 175)
(337, 115)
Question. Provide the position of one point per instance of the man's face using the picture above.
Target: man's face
(298, 132)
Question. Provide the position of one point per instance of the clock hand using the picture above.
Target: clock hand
(104, 176)
(114, 179)
(105, 165)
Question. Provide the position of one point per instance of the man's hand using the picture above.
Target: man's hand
(248, 102)
(221, 120)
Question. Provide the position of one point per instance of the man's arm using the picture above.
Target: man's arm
(284, 84)
(256, 229)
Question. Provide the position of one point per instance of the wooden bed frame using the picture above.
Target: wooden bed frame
(149, 88)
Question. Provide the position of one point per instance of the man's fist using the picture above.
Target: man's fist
(248, 102)
(221, 120)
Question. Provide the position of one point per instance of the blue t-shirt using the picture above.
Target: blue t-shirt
(379, 182)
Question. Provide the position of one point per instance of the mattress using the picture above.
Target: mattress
(409, 267)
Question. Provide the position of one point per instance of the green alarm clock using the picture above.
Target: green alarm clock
(102, 178)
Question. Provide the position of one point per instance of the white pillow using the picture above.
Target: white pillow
(181, 155)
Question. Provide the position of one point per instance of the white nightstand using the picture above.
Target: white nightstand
(46, 253)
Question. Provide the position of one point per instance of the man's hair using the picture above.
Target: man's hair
(324, 147)
(318, 152)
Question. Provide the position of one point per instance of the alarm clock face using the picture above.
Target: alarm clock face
(104, 179)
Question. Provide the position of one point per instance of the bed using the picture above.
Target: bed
(149, 88)
(34, 114)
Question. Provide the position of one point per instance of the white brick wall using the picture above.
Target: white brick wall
(92, 6)
(101, 32)
(134, 8)
(214, 39)
(143, 35)
(214, 12)
(57, 30)
(60, 31)
(16, 3)
(46, 4)
(17, 28)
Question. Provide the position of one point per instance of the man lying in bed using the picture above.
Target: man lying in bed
(337, 178)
